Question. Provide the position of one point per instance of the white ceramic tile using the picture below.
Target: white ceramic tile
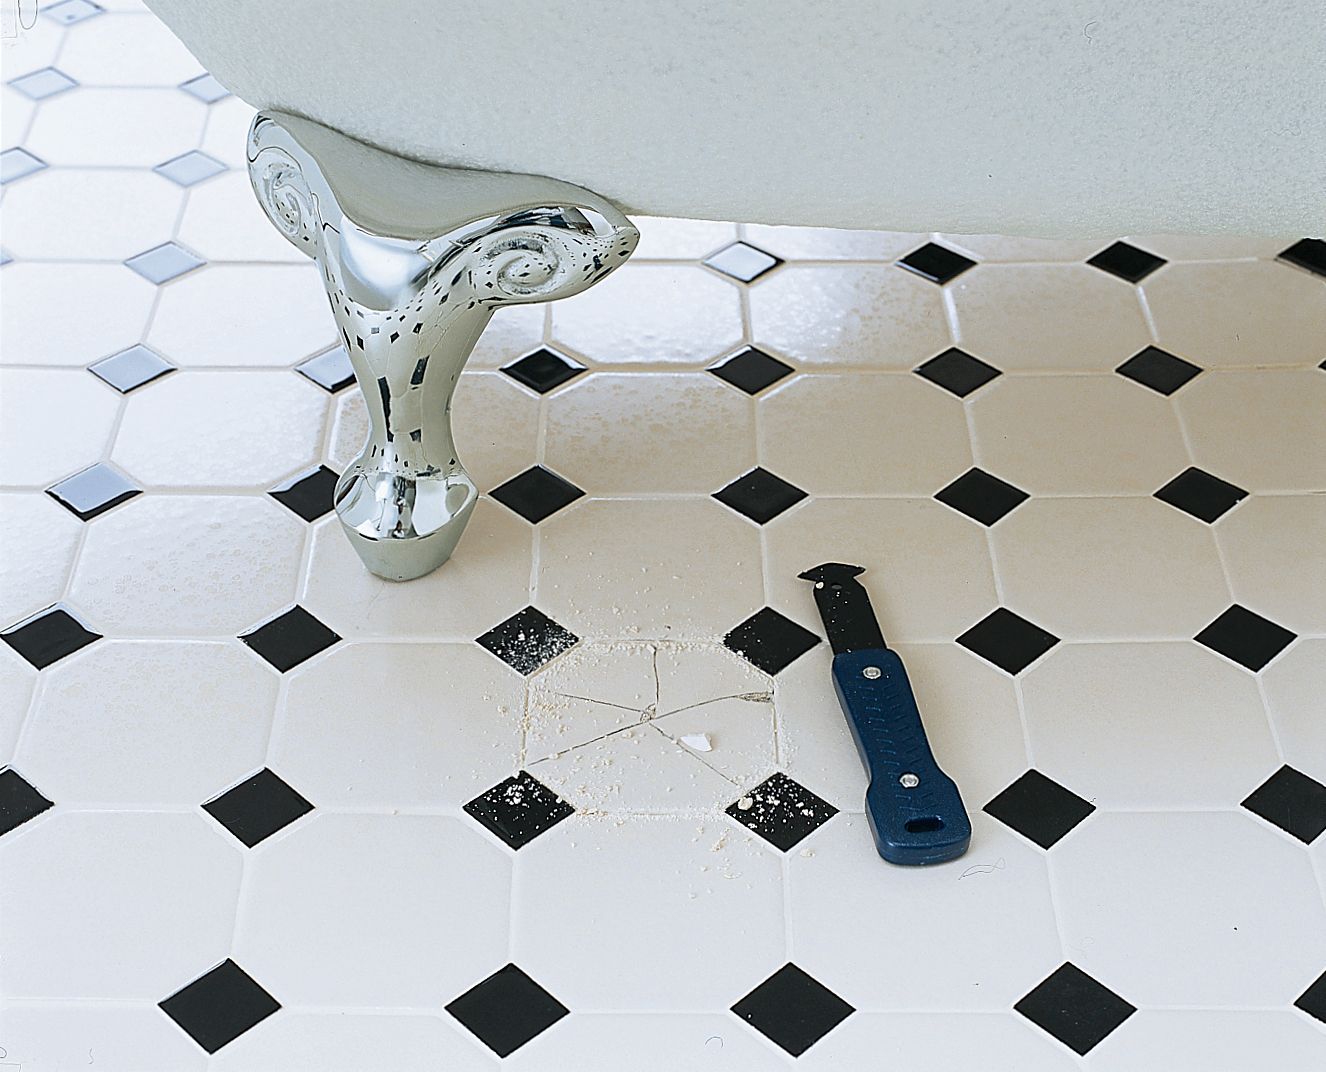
(829, 244)
(1165, 700)
(221, 429)
(617, 673)
(47, 1038)
(116, 127)
(632, 433)
(228, 315)
(227, 131)
(1095, 569)
(1048, 317)
(1259, 430)
(485, 582)
(653, 573)
(1214, 247)
(1007, 248)
(145, 904)
(684, 914)
(143, 724)
(667, 238)
(859, 316)
(127, 50)
(223, 222)
(450, 730)
(1225, 1038)
(38, 539)
(992, 1042)
(61, 214)
(647, 1042)
(1181, 926)
(1295, 687)
(878, 435)
(32, 48)
(1077, 435)
(71, 314)
(667, 314)
(188, 565)
(496, 425)
(848, 908)
(512, 333)
(320, 922)
(51, 424)
(298, 1041)
(17, 681)
(928, 568)
(695, 673)
(1253, 313)
(1273, 546)
(16, 111)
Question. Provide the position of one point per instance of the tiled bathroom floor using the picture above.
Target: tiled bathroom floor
(585, 796)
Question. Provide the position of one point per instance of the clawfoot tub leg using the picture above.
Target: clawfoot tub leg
(415, 259)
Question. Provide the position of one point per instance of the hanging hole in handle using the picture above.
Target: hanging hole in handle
(925, 825)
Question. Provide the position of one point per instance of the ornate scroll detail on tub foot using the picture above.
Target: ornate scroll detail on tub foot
(415, 259)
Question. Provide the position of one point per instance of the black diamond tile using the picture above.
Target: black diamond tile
(981, 497)
(793, 1009)
(257, 808)
(1158, 369)
(218, 1007)
(936, 263)
(536, 494)
(752, 370)
(519, 809)
(287, 640)
(957, 371)
(1313, 1000)
(543, 370)
(1008, 640)
(1247, 638)
(1127, 262)
(131, 368)
(19, 800)
(331, 370)
(1293, 802)
(1039, 808)
(48, 636)
(770, 641)
(1204, 496)
(93, 491)
(528, 640)
(1310, 253)
(742, 261)
(782, 811)
(309, 494)
(760, 495)
(506, 1010)
(1074, 1008)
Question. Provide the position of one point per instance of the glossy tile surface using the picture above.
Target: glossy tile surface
(583, 800)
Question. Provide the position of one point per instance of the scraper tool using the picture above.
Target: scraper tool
(915, 811)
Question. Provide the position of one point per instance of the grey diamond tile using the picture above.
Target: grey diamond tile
(18, 163)
(190, 168)
(206, 88)
(47, 82)
(331, 370)
(742, 262)
(93, 491)
(69, 12)
(131, 368)
(165, 262)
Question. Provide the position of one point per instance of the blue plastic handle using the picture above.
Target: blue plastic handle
(921, 823)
